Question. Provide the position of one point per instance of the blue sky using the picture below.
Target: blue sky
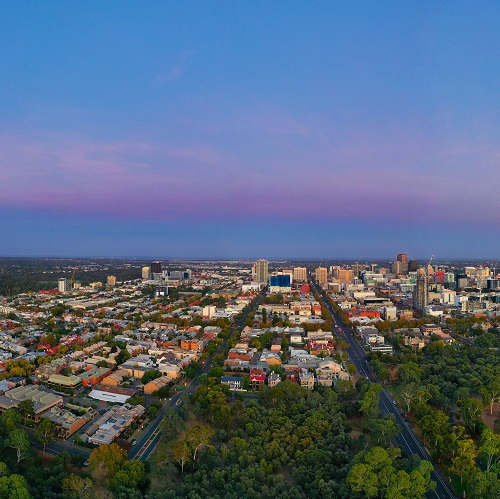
(248, 129)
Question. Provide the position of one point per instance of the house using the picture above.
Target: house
(234, 382)
(307, 381)
(273, 379)
(257, 378)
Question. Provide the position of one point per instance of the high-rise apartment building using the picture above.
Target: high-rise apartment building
(403, 259)
(345, 275)
(421, 292)
(300, 274)
(111, 281)
(146, 272)
(396, 268)
(262, 271)
(62, 285)
(156, 267)
(322, 275)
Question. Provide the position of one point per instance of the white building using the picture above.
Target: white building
(62, 285)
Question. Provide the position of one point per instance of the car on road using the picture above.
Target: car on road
(134, 442)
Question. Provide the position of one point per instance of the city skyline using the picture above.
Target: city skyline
(250, 130)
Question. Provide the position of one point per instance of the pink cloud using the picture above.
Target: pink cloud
(404, 178)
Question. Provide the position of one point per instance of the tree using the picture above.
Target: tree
(471, 410)
(75, 486)
(181, 453)
(408, 394)
(351, 369)
(131, 475)
(171, 424)
(18, 439)
(264, 315)
(192, 369)
(382, 430)
(14, 487)
(150, 376)
(380, 370)
(9, 421)
(45, 432)
(197, 437)
(490, 448)
(484, 484)
(491, 394)
(107, 460)
(26, 409)
(122, 356)
(463, 463)
(435, 426)
(409, 372)
(375, 473)
(370, 400)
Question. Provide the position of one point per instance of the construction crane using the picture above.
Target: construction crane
(428, 265)
(71, 280)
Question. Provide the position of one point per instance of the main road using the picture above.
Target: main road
(407, 440)
(149, 438)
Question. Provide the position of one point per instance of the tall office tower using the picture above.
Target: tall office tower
(111, 281)
(146, 273)
(413, 265)
(357, 268)
(262, 271)
(403, 259)
(322, 275)
(345, 276)
(156, 267)
(300, 274)
(462, 281)
(62, 285)
(396, 268)
(421, 293)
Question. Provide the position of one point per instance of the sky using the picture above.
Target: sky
(250, 129)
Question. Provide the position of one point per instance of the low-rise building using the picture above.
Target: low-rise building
(111, 424)
(42, 399)
(66, 421)
(94, 376)
(156, 384)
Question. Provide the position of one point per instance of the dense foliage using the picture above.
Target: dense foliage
(290, 443)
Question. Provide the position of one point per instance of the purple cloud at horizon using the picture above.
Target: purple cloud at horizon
(367, 177)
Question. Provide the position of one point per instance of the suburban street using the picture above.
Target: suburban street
(407, 439)
(150, 437)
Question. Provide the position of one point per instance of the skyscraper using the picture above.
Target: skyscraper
(111, 281)
(345, 275)
(146, 273)
(322, 275)
(62, 285)
(156, 267)
(262, 271)
(421, 293)
(403, 259)
(300, 274)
